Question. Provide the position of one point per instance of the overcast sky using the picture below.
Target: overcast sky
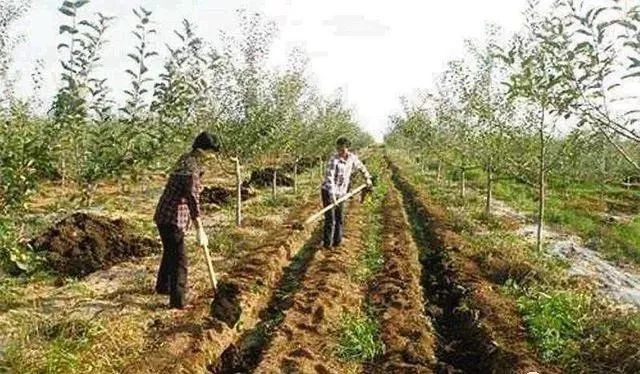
(375, 51)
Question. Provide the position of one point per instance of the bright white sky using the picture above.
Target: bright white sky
(375, 51)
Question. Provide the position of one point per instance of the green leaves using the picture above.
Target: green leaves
(556, 322)
(68, 29)
(135, 103)
(69, 8)
(67, 12)
(134, 57)
(632, 75)
(80, 3)
(635, 62)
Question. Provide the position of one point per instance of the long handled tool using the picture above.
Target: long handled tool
(315, 216)
(212, 274)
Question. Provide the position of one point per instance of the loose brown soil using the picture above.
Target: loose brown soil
(82, 244)
(396, 298)
(307, 339)
(245, 354)
(264, 178)
(242, 294)
(220, 195)
(257, 274)
(480, 331)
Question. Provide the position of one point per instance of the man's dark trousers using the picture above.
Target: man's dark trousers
(172, 275)
(333, 222)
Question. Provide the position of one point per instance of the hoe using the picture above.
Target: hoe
(315, 216)
(212, 274)
(295, 226)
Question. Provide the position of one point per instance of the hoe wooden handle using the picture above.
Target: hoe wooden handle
(212, 274)
(346, 197)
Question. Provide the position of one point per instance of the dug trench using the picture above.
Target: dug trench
(242, 294)
(296, 333)
(244, 354)
(396, 298)
(478, 331)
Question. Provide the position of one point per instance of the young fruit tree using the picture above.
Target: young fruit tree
(540, 82)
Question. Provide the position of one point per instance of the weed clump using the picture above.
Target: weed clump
(359, 338)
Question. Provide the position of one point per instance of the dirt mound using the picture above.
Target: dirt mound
(227, 308)
(264, 178)
(303, 165)
(82, 243)
(221, 195)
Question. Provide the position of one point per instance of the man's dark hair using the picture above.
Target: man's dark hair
(343, 141)
(206, 142)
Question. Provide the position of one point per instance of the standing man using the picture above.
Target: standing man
(178, 206)
(335, 185)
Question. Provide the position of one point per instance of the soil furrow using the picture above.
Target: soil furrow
(469, 317)
(306, 340)
(242, 294)
(396, 298)
(244, 355)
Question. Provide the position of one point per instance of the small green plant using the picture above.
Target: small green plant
(359, 340)
(24, 157)
(372, 260)
(14, 258)
(556, 322)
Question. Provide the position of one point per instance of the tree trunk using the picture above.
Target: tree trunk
(541, 188)
(295, 176)
(274, 183)
(63, 166)
(439, 175)
(487, 208)
(145, 183)
(238, 193)
(462, 183)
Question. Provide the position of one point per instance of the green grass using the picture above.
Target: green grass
(359, 340)
(621, 241)
(11, 293)
(556, 321)
(358, 332)
(569, 323)
(282, 199)
(579, 331)
(53, 346)
(580, 209)
(222, 242)
(372, 259)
